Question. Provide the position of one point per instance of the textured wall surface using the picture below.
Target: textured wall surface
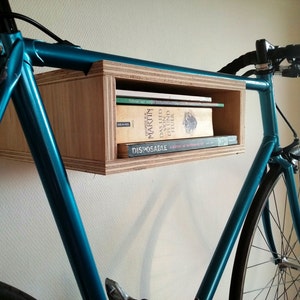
(154, 231)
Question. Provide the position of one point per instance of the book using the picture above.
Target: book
(166, 96)
(139, 123)
(160, 147)
(162, 102)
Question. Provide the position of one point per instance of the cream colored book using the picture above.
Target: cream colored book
(138, 123)
(151, 95)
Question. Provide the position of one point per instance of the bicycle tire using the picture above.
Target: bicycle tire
(8, 292)
(256, 274)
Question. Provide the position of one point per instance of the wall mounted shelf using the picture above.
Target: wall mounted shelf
(82, 111)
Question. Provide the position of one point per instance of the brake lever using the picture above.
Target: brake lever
(293, 70)
(10, 74)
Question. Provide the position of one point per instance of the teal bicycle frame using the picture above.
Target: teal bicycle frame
(20, 83)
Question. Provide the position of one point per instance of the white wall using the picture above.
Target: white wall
(155, 230)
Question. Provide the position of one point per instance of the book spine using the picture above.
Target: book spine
(161, 147)
(151, 95)
(145, 101)
(138, 123)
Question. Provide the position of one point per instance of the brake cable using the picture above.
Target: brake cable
(37, 25)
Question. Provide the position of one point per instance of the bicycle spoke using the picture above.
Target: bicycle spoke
(267, 274)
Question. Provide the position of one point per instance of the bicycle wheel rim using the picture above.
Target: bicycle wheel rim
(256, 273)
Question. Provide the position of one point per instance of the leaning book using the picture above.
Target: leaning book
(160, 147)
(139, 123)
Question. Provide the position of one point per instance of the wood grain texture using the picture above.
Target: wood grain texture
(82, 112)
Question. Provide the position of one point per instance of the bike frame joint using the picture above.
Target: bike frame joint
(10, 73)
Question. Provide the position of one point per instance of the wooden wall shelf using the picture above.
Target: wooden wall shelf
(82, 108)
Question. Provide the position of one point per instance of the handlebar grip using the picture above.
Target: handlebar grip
(239, 63)
(289, 52)
(292, 52)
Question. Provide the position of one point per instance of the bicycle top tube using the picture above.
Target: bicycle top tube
(267, 59)
(71, 57)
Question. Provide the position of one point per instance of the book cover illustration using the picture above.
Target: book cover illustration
(151, 123)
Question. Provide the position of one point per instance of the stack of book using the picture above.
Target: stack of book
(156, 123)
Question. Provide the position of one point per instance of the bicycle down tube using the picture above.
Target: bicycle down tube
(244, 200)
(37, 130)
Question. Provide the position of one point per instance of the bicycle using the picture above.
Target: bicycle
(274, 168)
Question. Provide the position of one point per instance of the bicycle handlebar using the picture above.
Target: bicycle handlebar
(240, 63)
(267, 58)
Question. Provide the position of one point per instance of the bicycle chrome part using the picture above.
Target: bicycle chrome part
(285, 263)
(115, 292)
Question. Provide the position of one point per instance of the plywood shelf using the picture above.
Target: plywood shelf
(82, 112)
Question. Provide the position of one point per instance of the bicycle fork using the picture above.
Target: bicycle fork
(292, 196)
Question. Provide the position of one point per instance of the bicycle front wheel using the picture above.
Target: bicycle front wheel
(259, 271)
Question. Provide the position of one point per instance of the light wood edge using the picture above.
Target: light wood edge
(134, 164)
(139, 163)
(132, 72)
